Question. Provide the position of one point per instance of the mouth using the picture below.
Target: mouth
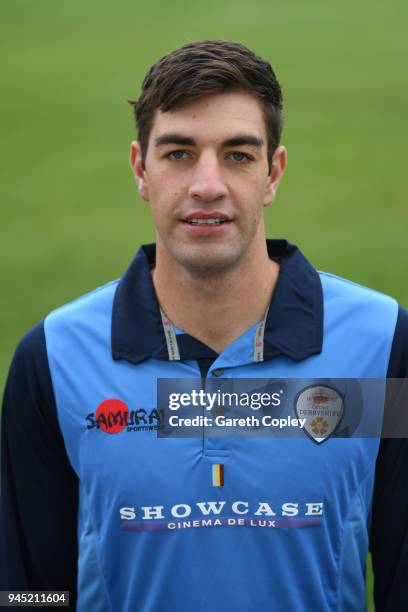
(206, 219)
(210, 221)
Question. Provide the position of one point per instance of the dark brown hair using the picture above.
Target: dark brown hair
(202, 68)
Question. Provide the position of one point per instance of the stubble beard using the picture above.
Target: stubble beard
(210, 261)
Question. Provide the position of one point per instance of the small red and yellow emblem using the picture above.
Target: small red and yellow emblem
(217, 474)
(321, 397)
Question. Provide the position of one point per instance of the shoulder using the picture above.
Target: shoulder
(28, 401)
(87, 305)
(377, 312)
(364, 308)
(30, 361)
(338, 287)
(398, 364)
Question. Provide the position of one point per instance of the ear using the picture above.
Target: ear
(138, 169)
(278, 166)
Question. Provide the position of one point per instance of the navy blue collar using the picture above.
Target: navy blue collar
(294, 325)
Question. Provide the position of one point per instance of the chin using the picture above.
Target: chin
(208, 261)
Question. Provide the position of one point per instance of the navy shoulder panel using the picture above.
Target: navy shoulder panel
(30, 375)
(39, 489)
(398, 364)
(389, 529)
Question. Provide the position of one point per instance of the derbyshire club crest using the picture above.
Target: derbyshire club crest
(323, 409)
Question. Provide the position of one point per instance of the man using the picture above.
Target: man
(93, 502)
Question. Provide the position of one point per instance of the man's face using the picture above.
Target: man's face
(207, 181)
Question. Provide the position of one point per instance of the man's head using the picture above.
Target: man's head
(204, 68)
(208, 158)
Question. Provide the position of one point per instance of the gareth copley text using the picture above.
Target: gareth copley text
(222, 421)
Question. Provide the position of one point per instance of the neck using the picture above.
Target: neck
(216, 309)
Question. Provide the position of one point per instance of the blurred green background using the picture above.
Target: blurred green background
(70, 216)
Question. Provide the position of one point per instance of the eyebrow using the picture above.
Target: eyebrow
(243, 140)
(239, 140)
(174, 138)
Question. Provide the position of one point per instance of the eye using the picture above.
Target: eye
(177, 155)
(241, 158)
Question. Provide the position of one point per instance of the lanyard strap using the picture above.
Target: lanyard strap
(259, 338)
(173, 349)
(171, 340)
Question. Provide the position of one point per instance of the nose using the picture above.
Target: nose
(207, 183)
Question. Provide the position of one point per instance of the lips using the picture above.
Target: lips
(206, 218)
(211, 221)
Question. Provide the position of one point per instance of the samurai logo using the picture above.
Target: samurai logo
(113, 416)
(323, 409)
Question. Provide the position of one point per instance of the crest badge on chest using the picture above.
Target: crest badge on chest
(323, 408)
